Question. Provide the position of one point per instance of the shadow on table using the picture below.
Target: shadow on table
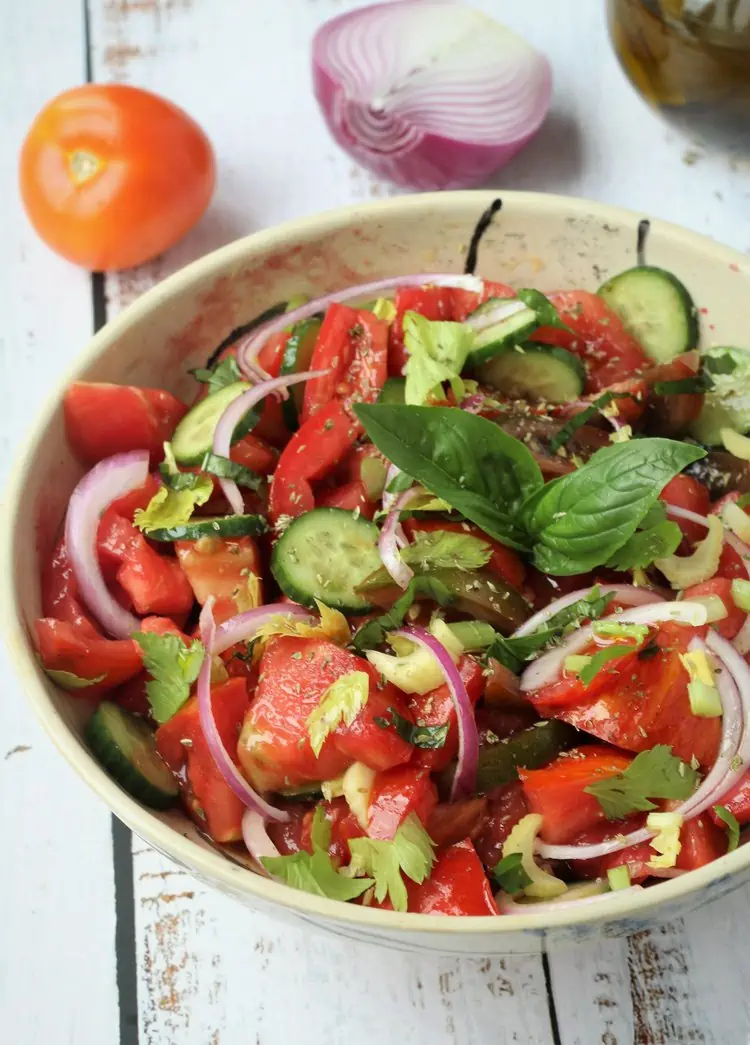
(551, 162)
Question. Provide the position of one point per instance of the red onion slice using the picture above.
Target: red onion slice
(627, 594)
(465, 776)
(245, 626)
(389, 499)
(255, 837)
(392, 538)
(224, 763)
(248, 351)
(506, 905)
(234, 413)
(111, 478)
(428, 94)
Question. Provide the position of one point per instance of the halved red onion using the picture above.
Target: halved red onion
(234, 413)
(111, 478)
(255, 837)
(465, 777)
(507, 905)
(224, 763)
(627, 594)
(248, 350)
(428, 94)
(392, 538)
(742, 638)
(245, 626)
(549, 666)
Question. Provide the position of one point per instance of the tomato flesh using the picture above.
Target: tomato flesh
(456, 886)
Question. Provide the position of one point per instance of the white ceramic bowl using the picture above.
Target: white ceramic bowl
(545, 241)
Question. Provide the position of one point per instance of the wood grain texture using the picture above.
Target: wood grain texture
(211, 973)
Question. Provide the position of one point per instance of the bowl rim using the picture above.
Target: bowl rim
(168, 839)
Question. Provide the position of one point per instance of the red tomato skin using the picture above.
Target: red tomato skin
(722, 587)
(313, 451)
(457, 885)
(209, 799)
(68, 647)
(275, 748)
(396, 794)
(351, 497)
(635, 857)
(353, 345)
(451, 822)
(292, 836)
(129, 504)
(686, 492)
(102, 420)
(436, 708)
(598, 337)
(737, 801)
(60, 594)
(506, 806)
(431, 302)
(702, 842)
(504, 562)
(557, 792)
(220, 567)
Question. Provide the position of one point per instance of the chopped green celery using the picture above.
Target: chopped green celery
(618, 877)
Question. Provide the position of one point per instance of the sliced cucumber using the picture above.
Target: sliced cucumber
(393, 391)
(212, 526)
(325, 554)
(194, 436)
(296, 358)
(536, 372)
(126, 747)
(727, 405)
(500, 323)
(656, 308)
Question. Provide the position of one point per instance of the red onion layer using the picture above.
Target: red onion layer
(255, 837)
(506, 905)
(245, 626)
(627, 594)
(111, 478)
(392, 538)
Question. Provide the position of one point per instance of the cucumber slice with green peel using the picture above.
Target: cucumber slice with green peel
(297, 355)
(212, 526)
(126, 747)
(536, 372)
(194, 436)
(727, 405)
(656, 308)
(393, 392)
(499, 324)
(325, 554)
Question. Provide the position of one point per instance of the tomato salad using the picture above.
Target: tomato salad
(436, 597)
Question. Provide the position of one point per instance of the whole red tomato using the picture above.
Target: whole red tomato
(113, 175)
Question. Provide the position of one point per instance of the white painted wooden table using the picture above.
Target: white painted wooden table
(103, 942)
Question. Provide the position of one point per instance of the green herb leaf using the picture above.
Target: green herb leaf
(656, 773)
(732, 825)
(444, 549)
(173, 667)
(427, 737)
(314, 872)
(372, 634)
(400, 483)
(572, 425)
(601, 658)
(226, 372)
(546, 312)
(514, 652)
(720, 365)
(617, 630)
(437, 352)
(647, 545)
(341, 702)
(69, 680)
(465, 460)
(173, 507)
(582, 519)
(695, 385)
(510, 875)
(222, 467)
(410, 852)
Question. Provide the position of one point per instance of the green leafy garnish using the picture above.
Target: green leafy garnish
(384, 309)
(314, 872)
(546, 313)
(173, 667)
(616, 630)
(720, 365)
(428, 737)
(510, 873)
(601, 658)
(444, 549)
(372, 634)
(437, 352)
(341, 702)
(410, 852)
(732, 825)
(399, 483)
(225, 373)
(695, 385)
(223, 468)
(171, 507)
(656, 773)
(572, 425)
(646, 546)
(69, 680)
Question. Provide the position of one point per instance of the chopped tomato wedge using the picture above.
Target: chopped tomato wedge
(69, 647)
(396, 794)
(451, 822)
(702, 841)
(351, 496)
(431, 302)
(181, 743)
(672, 414)
(293, 835)
(504, 563)
(597, 336)
(686, 492)
(129, 504)
(353, 346)
(506, 806)
(103, 419)
(465, 302)
(275, 748)
(558, 792)
(227, 568)
(60, 593)
(457, 885)
(635, 857)
(721, 587)
(637, 702)
(436, 708)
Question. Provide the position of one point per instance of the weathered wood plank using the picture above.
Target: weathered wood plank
(57, 962)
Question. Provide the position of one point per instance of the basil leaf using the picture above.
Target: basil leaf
(546, 312)
(400, 483)
(485, 474)
(223, 468)
(732, 826)
(373, 633)
(510, 874)
(426, 737)
(580, 520)
(601, 659)
(695, 385)
(720, 365)
(654, 542)
(180, 480)
(226, 372)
